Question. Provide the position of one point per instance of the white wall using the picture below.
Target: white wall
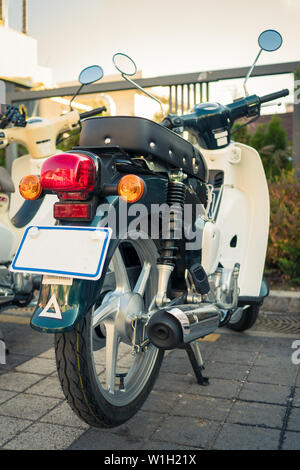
(19, 57)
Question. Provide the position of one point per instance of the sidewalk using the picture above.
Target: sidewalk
(252, 402)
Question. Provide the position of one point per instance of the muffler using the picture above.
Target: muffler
(173, 327)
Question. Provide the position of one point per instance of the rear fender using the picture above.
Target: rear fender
(66, 305)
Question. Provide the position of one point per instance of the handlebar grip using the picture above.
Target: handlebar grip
(274, 96)
(93, 112)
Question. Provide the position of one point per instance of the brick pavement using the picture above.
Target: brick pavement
(252, 402)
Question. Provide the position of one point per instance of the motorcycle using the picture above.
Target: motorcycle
(119, 289)
(40, 136)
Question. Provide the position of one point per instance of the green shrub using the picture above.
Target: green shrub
(283, 253)
(270, 141)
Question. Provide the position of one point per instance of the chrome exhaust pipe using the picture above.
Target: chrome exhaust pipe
(173, 327)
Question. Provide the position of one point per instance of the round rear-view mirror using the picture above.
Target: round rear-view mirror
(124, 64)
(90, 74)
(270, 40)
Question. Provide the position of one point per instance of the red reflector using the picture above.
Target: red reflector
(68, 172)
(72, 211)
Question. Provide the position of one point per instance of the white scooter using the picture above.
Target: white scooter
(39, 136)
(115, 295)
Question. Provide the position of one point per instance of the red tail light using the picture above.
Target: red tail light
(73, 211)
(68, 172)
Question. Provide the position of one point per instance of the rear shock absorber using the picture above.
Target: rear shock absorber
(166, 261)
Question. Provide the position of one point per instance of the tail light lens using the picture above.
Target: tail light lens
(68, 172)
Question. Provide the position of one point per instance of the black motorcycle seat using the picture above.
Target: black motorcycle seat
(140, 136)
(6, 183)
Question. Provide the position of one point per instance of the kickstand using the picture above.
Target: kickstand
(193, 353)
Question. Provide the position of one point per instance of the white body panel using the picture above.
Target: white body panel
(10, 236)
(243, 213)
(22, 166)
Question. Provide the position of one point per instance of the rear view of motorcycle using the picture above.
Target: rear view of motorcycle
(157, 243)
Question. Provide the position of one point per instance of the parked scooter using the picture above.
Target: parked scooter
(39, 136)
(107, 291)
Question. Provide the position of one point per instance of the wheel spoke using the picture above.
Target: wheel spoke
(121, 277)
(105, 310)
(141, 283)
(112, 343)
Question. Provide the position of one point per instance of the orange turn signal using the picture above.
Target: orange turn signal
(130, 188)
(30, 187)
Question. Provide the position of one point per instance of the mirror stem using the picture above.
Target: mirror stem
(74, 96)
(144, 91)
(249, 72)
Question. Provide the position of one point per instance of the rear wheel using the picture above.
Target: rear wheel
(103, 382)
(243, 318)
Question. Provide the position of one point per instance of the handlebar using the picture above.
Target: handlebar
(211, 123)
(93, 112)
(274, 96)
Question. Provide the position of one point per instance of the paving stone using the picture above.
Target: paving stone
(38, 365)
(240, 342)
(219, 388)
(294, 420)
(167, 381)
(64, 415)
(291, 441)
(257, 414)
(233, 356)
(160, 402)
(238, 437)
(225, 371)
(143, 424)
(28, 406)
(296, 401)
(43, 436)
(18, 381)
(276, 376)
(195, 432)
(13, 360)
(98, 439)
(270, 393)
(49, 354)
(274, 361)
(202, 407)
(10, 427)
(48, 387)
(6, 395)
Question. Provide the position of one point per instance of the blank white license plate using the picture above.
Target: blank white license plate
(77, 252)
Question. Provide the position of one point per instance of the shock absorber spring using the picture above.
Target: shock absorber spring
(175, 201)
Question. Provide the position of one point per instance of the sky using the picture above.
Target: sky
(163, 36)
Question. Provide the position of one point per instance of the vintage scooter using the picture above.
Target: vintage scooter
(39, 136)
(158, 243)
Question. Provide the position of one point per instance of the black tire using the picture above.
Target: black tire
(247, 319)
(84, 386)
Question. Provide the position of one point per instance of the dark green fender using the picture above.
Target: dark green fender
(76, 300)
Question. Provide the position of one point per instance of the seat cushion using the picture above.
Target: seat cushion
(140, 136)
